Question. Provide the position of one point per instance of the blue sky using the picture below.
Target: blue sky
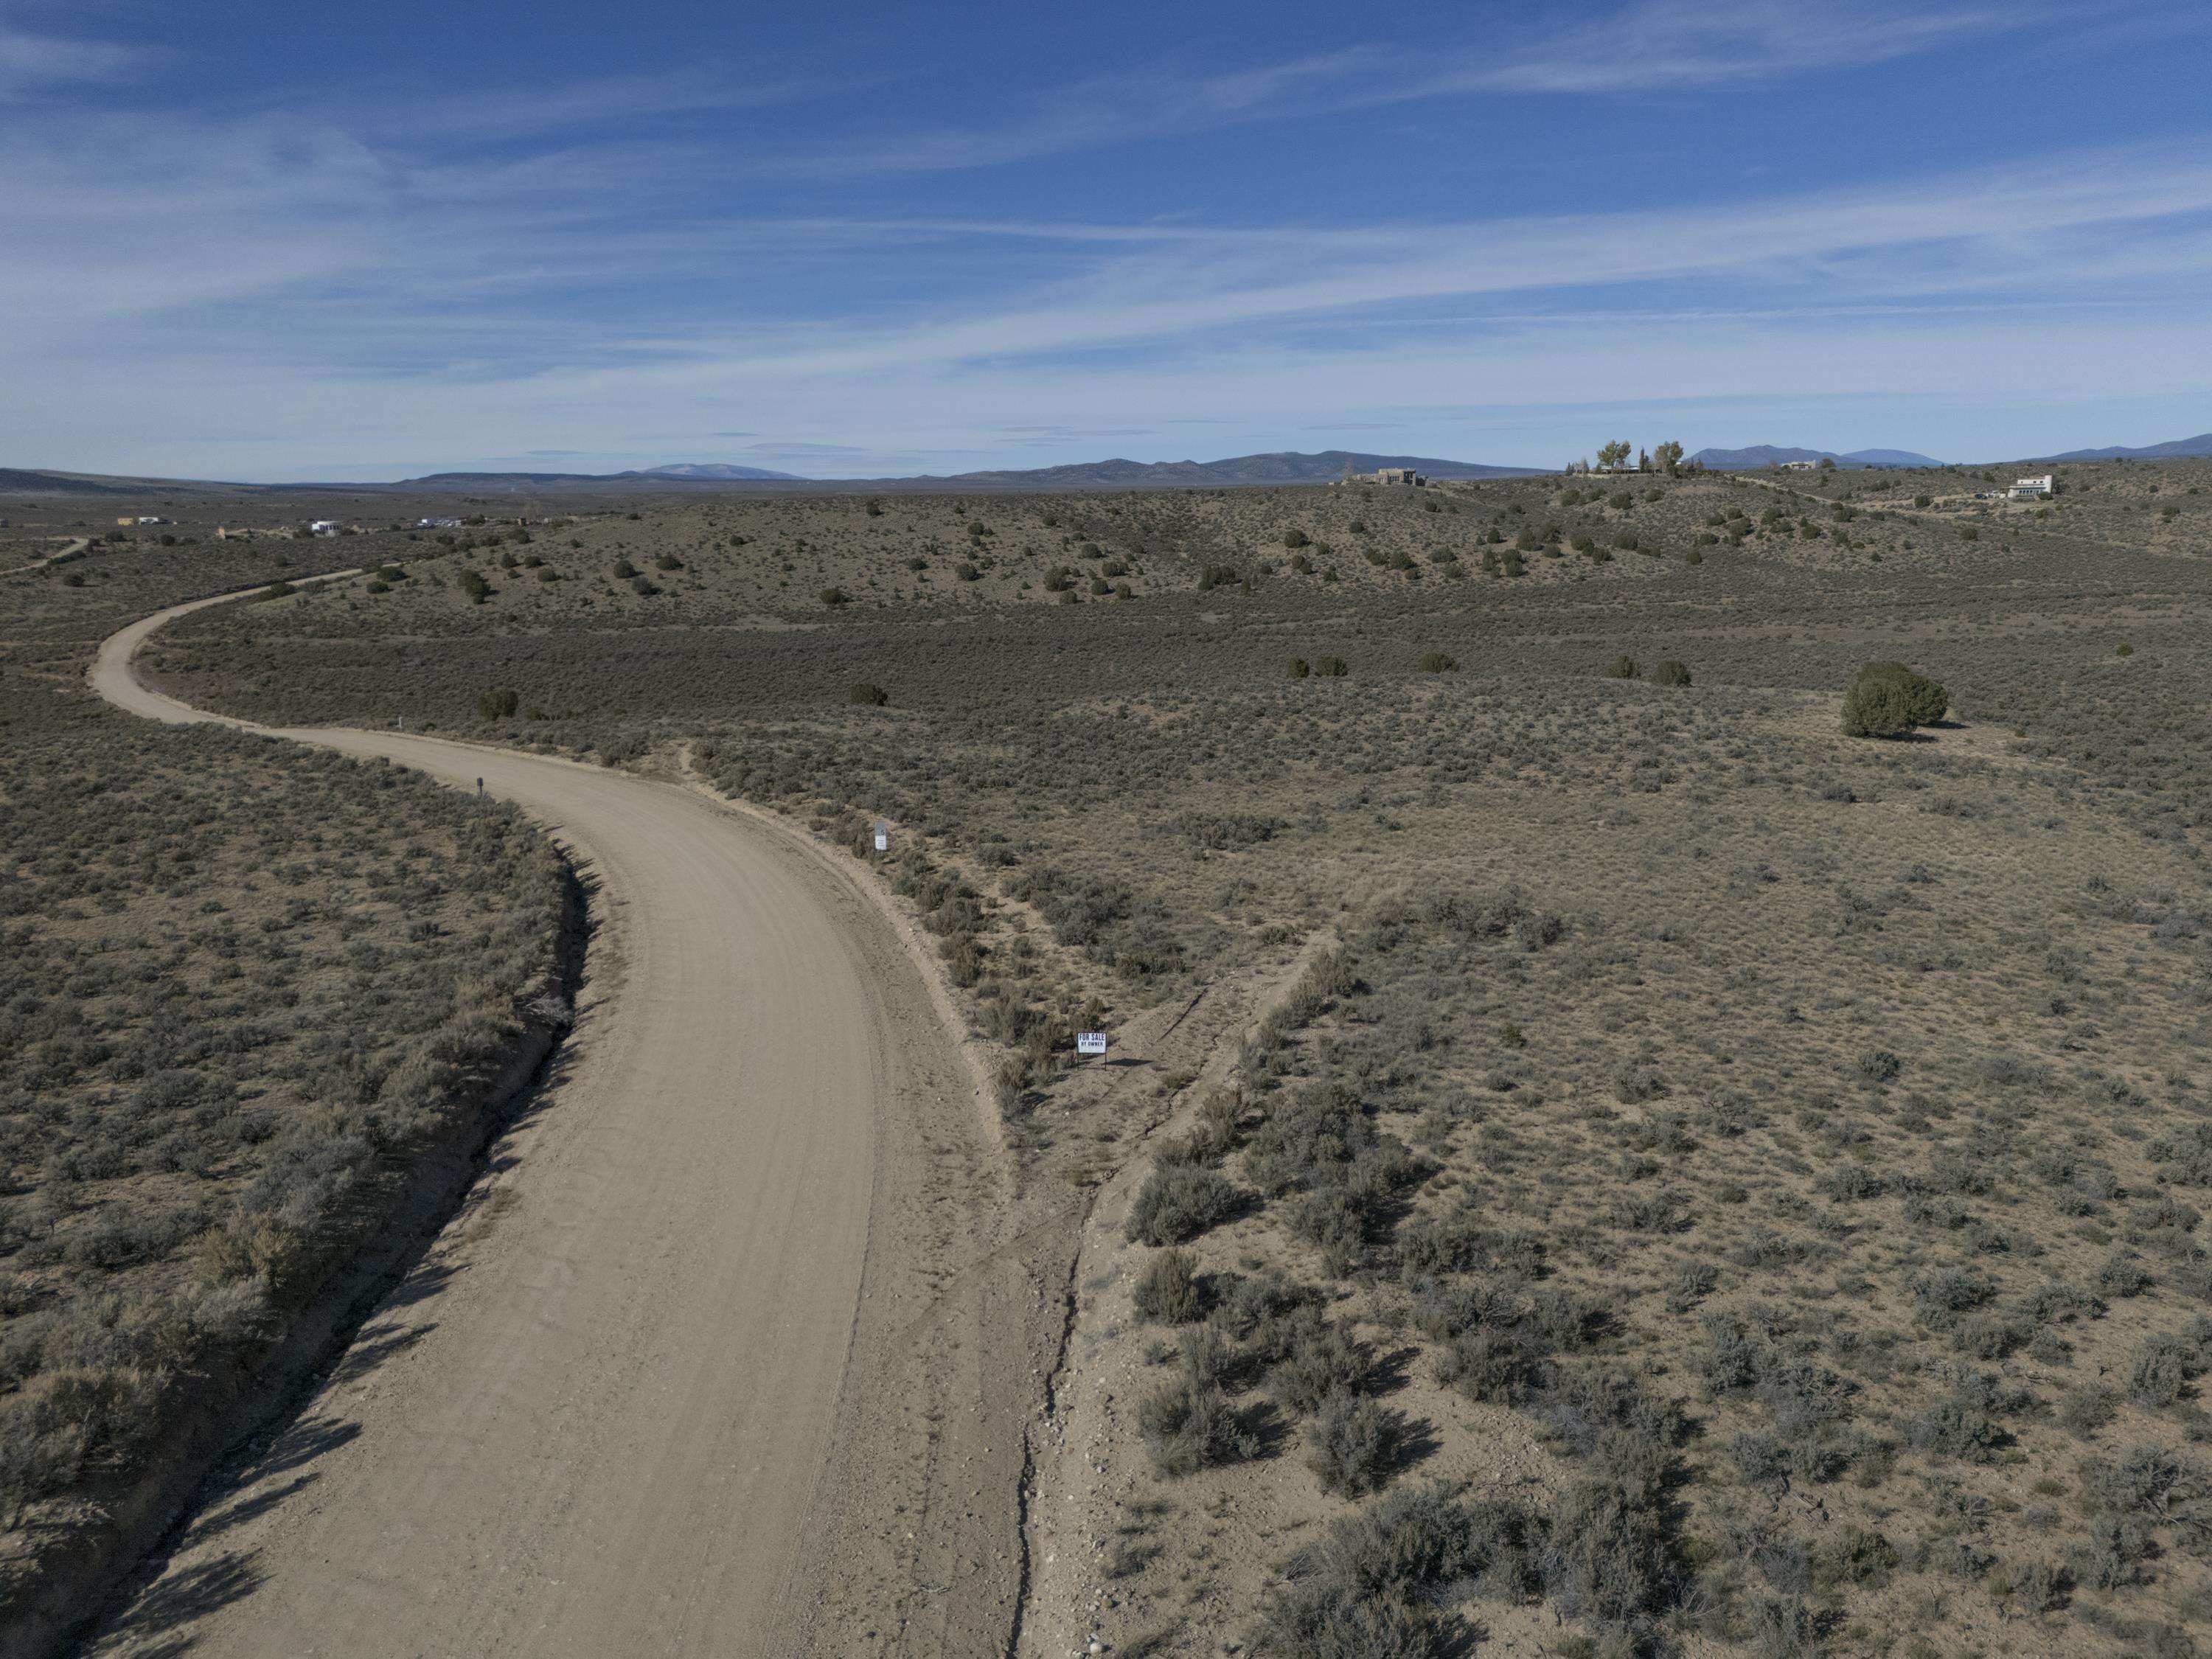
(266, 241)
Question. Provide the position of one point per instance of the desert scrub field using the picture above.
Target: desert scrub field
(1753, 1217)
(245, 985)
(2027, 620)
(1734, 1190)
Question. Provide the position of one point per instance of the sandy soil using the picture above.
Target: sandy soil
(728, 1353)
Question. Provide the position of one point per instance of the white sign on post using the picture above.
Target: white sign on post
(1091, 1043)
(883, 836)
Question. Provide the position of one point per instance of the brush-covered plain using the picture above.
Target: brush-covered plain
(1719, 1185)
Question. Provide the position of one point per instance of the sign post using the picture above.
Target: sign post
(1090, 1044)
(883, 836)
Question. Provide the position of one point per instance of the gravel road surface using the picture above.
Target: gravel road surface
(725, 1354)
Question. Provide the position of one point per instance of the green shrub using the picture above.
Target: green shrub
(1334, 668)
(834, 596)
(1299, 668)
(1623, 667)
(1179, 1201)
(1887, 699)
(869, 695)
(1294, 537)
(496, 705)
(1438, 662)
(1352, 1445)
(1371, 1586)
(1167, 1293)
(1190, 1424)
(1671, 671)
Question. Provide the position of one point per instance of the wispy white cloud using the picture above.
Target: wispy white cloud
(416, 111)
(1646, 46)
(33, 63)
(322, 291)
(1930, 238)
(1674, 44)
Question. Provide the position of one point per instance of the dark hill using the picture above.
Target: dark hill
(2200, 445)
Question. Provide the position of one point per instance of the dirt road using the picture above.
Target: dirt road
(722, 1356)
(72, 546)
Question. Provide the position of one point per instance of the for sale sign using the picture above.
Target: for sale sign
(1091, 1043)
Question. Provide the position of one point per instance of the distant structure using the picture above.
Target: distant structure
(322, 526)
(1800, 466)
(1398, 475)
(437, 524)
(2029, 488)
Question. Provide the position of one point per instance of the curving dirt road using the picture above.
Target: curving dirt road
(720, 1359)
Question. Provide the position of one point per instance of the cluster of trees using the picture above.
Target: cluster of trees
(1664, 458)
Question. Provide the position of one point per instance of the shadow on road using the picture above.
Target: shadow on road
(182, 1583)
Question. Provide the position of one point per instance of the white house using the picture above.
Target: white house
(2028, 489)
(1801, 467)
(323, 526)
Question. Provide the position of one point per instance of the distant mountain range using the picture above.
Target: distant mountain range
(1277, 466)
(2200, 445)
(715, 472)
(683, 473)
(17, 482)
(1759, 455)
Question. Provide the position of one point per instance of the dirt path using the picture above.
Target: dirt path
(74, 546)
(724, 1355)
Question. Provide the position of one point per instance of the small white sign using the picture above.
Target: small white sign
(883, 837)
(1091, 1043)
